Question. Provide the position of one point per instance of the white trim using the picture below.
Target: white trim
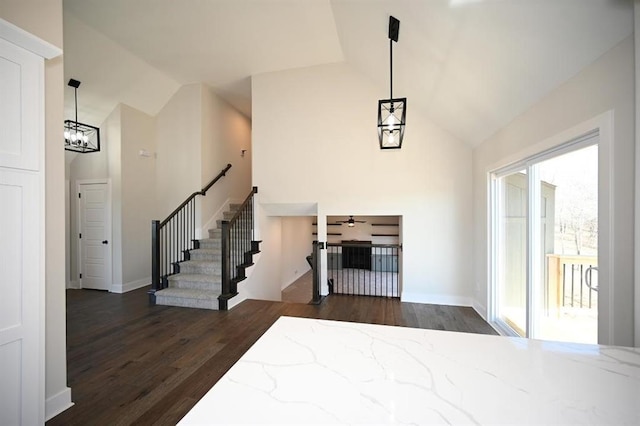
(109, 221)
(132, 285)
(28, 41)
(74, 285)
(58, 403)
(437, 299)
(235, 301)
(576, 133)
(67, 237)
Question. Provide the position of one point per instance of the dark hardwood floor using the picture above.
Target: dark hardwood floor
(131, 363)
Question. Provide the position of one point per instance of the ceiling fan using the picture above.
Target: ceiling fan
(351, 222)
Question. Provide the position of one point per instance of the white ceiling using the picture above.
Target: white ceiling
(470, 66)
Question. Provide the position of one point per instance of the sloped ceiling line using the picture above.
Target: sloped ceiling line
(469, 67)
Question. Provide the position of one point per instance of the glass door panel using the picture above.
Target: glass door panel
(566, 306)
(512, 251)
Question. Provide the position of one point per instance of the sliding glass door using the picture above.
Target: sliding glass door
(544, 258)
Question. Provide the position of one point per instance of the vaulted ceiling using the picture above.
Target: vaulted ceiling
(470, 66)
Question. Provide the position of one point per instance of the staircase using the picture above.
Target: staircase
(198, 281)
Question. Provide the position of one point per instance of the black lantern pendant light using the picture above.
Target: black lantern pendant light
(80, 137)
(391, 112)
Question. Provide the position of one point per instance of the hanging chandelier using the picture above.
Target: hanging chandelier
(391, 112)
(80, 137)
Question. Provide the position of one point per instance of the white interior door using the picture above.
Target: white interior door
(94, 236)
(21, 242)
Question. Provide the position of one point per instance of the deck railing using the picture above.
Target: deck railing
(572, 281)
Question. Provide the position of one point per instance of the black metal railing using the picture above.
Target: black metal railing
(172, 238)
(238, 248)
(315, 260)
(579, 285)
(362, 268)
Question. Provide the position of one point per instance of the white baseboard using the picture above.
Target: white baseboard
(293, 279)
(480, 309)
(133, 285)
(57, 403)
(235, 301)
(436, 299)
(75, 285)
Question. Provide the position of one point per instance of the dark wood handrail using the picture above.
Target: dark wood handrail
(202, 192)
(235, 217)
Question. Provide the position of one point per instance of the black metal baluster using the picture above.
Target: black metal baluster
(581, 283)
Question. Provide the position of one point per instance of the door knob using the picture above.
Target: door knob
(105, 242)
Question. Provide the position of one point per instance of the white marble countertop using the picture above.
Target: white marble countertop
(329, 372)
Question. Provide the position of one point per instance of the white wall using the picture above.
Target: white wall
(605, 85)
(303, 117)
(263, 283)
(297, 239)
(225, 133)
(47, 24)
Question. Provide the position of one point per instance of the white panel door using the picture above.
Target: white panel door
(21, 244)
(95, 251)
(20, 83)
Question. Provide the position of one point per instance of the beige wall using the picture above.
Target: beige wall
(315, 141)
(46, 23)
(178, 141)
(605, 85)
(138, 195)
(42, 18)
(297, 240)
(124, 133)
(225, 133)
